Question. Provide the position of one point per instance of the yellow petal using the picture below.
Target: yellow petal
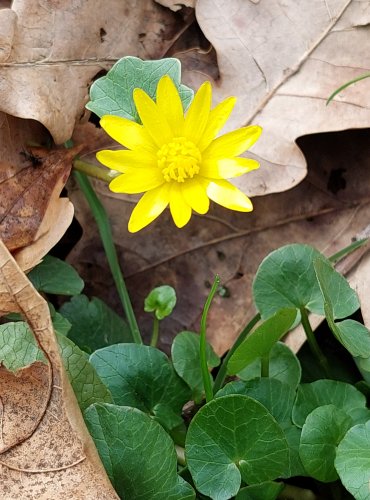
(129, 134)
(123, 160)
(180, 210)
(234, 143)
(149, 207)
(153, 120)
(226, 168)
(217, 119)
(170, 105)
(137, 181)
(198, 113)
(195, 195)
(228, 196)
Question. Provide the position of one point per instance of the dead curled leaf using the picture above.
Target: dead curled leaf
(48, 453)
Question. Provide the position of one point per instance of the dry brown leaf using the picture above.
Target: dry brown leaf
(326, 210)
(32, 214)
(53, 456)
(283, 60)
(53, 50)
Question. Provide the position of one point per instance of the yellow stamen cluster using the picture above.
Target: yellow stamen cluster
(179, 160)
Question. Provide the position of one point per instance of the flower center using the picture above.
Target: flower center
(179, 159)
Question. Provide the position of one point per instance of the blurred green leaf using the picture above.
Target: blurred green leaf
(55, 276)
(161, 301)
(94, 324)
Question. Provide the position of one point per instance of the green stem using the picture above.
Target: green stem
(314, 346)
(221, 375)
(265, 366)
(155, 334)
(203, 342)
(347, 250)
(180, 453)
(94, 170)
(102, 221)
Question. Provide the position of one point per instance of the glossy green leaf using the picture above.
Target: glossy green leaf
(161, 301)
(112, 94)
(324, 392)
(18, 347)
(287, 278)
(283, 366)
(354, 336)
(86, 383)
(143, 377)
(278, 398)
(138, 455)
(56, 276)
(232, 438)
(268, 490)
(322, 431)
(261, 340)
(186, 361)
(94, 324)
(352, 461)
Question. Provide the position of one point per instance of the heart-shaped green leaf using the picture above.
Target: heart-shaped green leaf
(143, 377)
(161, 300)
(94, 324)
(287, 278)
(138, 455)
(264, 491)
(354, 336)
(325, 392)
(322, 431)
(56, 276)
(230, 438)
(112, 94)
(283, 365)
(261, 340)
(353, 461)
(186, 361)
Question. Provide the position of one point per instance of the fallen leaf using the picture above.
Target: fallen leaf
(282, 60)
(57, 459)
(326, 210)
(33, 217)
(53, 51)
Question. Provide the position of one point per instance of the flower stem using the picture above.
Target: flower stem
(102, 221)
(265, 366)
(314, 346)
(94, 170)
(155, 334)
(203, 344)
(221, 375)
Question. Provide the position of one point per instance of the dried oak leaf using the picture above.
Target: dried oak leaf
(52, 51)
(57, 459)
(283, 60)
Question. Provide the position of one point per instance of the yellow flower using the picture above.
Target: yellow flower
(177, 160)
